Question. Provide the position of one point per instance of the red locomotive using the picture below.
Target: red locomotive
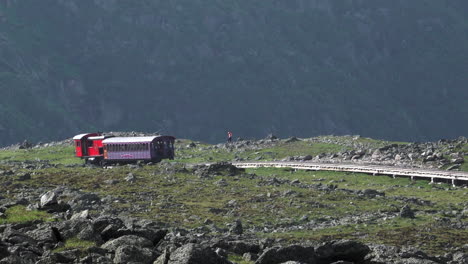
(96, 148)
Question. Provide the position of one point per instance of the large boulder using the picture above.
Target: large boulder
(81, 215)
(129, 240)
(345, 250)
(278, 255)
(108, 227)
(45, 233)
(196, 254)
(133, 254)
(88, 233)
(217, 169)
(114, 231)
(84, 201)
(13, 236)
(49, 198)
(152, 234)
(71, 228)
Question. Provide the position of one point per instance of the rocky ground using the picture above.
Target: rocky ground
(123, 239)
(444, 154)
(185, 212)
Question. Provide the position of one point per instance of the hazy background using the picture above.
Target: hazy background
(393, 70)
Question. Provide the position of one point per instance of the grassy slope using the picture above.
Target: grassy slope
(183, 199)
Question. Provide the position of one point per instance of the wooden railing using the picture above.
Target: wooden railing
(455, 177)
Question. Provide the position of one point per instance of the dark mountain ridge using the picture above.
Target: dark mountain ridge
(393, 70)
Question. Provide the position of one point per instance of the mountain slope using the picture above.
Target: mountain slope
(198, 68)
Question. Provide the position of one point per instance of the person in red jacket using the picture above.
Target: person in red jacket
(229, 139)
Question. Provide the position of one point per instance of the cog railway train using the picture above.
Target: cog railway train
(96, 148)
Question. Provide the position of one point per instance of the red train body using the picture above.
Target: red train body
(99, 149)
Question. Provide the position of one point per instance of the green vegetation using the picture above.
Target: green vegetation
(76, 243)
(19, 214)
(54, 155)
(300, 148)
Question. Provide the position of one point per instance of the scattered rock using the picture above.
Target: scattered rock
(49, 198)
(130, 178)
(221, 183)
(271, 137)
(25, 145)
(291, 139)
(236, 228)
(133, 254)
(83, 215)
(217, 169)
(406, 212)
(195, 254)
(24, 177)
(290, 253)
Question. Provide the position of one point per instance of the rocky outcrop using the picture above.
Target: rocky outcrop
(128, 240)
(290, 253)
(196, 254)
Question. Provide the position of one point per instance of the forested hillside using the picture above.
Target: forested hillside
(387, 69)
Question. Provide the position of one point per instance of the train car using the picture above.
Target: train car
(96, 148)
(89, 146)
(154, 148)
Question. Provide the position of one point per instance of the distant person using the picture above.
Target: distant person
(229, 139)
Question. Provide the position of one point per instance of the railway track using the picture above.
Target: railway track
(453, 177)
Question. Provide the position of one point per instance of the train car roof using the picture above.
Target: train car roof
(80, 136)
(119, 140)
(97, 137)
